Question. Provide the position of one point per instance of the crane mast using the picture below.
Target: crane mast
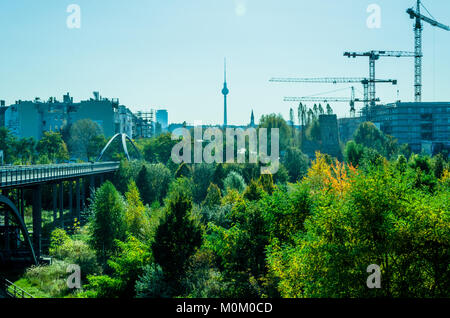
(418, 57)
(418, 28)
(373, 57)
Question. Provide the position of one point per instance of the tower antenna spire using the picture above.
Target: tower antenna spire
(225, 92)
(225, 70)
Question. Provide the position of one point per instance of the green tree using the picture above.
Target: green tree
(25, 150)
(313, 131)
(126, 266)
(152, 283)
(202, 176)
(143, 184)
(183, 171)
(95, 146)
(281, 177)
(254, 191)
(153, 182)
(180, 185)
(234, 181)
(159, 148)
(371, 217)
(296, 163)
(85, 138)
(276, 121)
(240, 250)
(53, 147)
(123, 176)
(73, 251)
(438, 165)
(136, 214)
(213, 196)
(177, 238)
(7, 143)
(108, 220)
(266, 182)
(219, 175)
(353, 152)
(368, 135)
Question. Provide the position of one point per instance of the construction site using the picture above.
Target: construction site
(424, 126)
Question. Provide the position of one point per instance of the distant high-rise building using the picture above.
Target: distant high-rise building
(225, 92)
(162, 117)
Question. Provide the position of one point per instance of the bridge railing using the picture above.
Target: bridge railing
(21, 175)
(14, 291)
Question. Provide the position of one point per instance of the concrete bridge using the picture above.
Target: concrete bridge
(16, 243)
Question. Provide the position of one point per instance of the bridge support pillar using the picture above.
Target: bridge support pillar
(6, 222)
(37, 219)
(61, 205)
(55, 204)
(7, 234)
(71, 199)
(91, 185)
(77, 195)
(83, 194)
(22, 204)
(18, 201)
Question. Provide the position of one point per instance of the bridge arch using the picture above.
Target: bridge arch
(124, 138)
(12, 208)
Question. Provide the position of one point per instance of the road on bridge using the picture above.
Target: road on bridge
(17, 176)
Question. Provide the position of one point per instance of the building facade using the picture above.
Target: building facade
(162, 118)
(33, 118)
(424, 126)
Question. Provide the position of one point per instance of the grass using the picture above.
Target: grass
(29, 288)
(45, 281)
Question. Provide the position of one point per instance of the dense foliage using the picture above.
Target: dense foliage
(224, 230)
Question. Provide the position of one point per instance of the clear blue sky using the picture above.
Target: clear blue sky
(169, 53)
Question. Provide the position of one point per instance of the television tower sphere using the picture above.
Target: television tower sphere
(225, 90)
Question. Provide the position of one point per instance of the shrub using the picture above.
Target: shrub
(202, 279)
(234, 181)
(151, 284)
(213, 196)
(71, 251)
(49, 279)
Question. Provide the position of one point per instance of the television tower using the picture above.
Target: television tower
(225, 92)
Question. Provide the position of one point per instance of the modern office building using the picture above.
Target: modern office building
(417, 124)
(162, 117)
(424, 126)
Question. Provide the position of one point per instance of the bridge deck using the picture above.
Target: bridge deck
(20, 176)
